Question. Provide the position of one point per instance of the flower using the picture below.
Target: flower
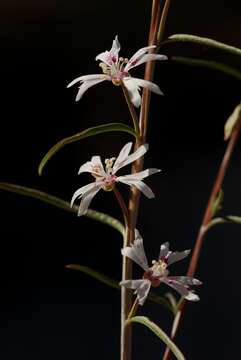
(157, 273)
(116, 69)
(106, 178)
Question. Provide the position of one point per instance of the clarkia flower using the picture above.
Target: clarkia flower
(116, 69)
(106, 178)
(157, 273)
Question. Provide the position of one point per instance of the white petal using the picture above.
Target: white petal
(185, 280)
(129, 159)
(133, 91)
(107, 56)
(143, 59)
(81, 191)
(136, 252)
(176, 256)
(181, 289)
(86, 85)
(87, 167)
(104, 57)
(142, 288)
(97, 163)
(142, 174)
(146, 84)
(86, 199)
(137, 56)
(164, 250)
(122, 156)
(140, 185)
(115, 47)
(85, 78)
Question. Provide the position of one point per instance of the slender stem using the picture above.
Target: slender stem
(134, 193)
(206, 220)
(134, 308)
(162, 24)
(131, 109)
(122, 204)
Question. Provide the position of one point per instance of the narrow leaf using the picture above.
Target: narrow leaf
(231, 219)
(232, 121)
(208, 64)
(113, 283)
(158, 332)
(61, 204)
(82, 135)
(203, 42)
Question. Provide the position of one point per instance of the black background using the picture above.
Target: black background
(47, 311)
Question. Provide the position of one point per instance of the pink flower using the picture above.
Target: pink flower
(116, 69)
(157, 273)
(106, 178)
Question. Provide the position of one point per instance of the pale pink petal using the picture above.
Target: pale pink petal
(142, 174)
(110, 57)
(97, 164)
(143, 59)
(122, 156)
(104, 57)
(86, 199)
(87, 167)
(176, 256)
(133, 91)
(138, 55)
(81, 191)
(142, 288)
(86, 85)
(164, 250)
(145, 84)
(181, 289)
(136, 252)
(185, 280)
(130, 158)
(115, 47)
(140, 185)
(84, 78)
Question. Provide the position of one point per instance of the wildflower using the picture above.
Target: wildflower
(116, 69)
(106, 178)
(157, 273)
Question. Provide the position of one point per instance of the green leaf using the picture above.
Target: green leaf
(232, 121)
(181, 38)
(230, 219)
(208, 64)
(61, 204)
(217, 203)
(158, 332)
(82, 135)
(113, 283)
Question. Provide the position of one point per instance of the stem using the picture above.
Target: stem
(122, 204)
(134, 193)
(206, 220)
(162, 25)
(132, 109)
(133, 309)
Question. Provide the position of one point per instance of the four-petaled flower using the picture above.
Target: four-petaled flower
(106, 178)
(157, 273)
(116, 69)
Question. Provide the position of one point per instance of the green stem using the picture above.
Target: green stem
(131, 109)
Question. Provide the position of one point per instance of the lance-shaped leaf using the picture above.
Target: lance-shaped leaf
(166, 302)
(232, 121)
(61, 204)
(96, 130)
(230, 219)
(158, 332)
(186, 38)
(208, 64)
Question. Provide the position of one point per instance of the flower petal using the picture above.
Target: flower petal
(134, 60)
(84, 78)
(143, 59)
(86, 85)
(145, 84)
(176, 256)
(181, 289)
(122, 156)
(81, 191)
(136, 252)
(130, 158)
(133, 91)
(142, 288)
(185, 280)
(164, 250)
(142, 174)
(110, 57)
(140, 185)
(86, 199)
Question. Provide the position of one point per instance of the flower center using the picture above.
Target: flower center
(110, 178)
(115, 69)
(156, 272)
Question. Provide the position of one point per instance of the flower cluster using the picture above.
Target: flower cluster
(157, 273)
(116, 69)
(106, 178)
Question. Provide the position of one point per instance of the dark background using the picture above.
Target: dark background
(47, 311)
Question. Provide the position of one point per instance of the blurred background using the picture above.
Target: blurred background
(47, 311)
